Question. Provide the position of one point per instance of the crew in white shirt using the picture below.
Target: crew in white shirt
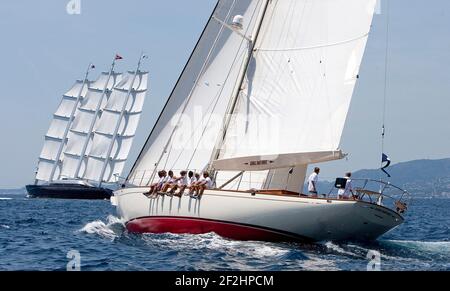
(180, 182)
(191, 179)
(200, 187)
(168, 181)
(155, 186)
(348, 190)
(313, 182)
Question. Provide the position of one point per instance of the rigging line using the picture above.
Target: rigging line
(168, 156)
(386, 79)
(201, 72)
(314, 47)
(324, 64)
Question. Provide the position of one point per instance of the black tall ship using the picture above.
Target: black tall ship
(90, 136)
(69, 190)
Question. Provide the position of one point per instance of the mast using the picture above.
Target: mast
(94, 120)
(237, 91)
(122, 114)
(69, 124)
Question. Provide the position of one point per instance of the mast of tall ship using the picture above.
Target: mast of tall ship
(71, 118)
(94, 119)
(122, 114)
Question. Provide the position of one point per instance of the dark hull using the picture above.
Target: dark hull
(68, 192)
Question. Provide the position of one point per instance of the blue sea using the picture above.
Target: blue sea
(39, 234)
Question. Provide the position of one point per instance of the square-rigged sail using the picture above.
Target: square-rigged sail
(50, 160)
(82, 131)
(121, 113)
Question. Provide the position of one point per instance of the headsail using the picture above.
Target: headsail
(187, 130)
(295, 99)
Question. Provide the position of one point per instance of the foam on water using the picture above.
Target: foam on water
(112, 229)
(5, 199)
(338, 249)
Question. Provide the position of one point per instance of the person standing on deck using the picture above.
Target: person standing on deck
(348, 190)
(312, 183)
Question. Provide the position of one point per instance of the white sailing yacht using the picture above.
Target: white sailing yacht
(90, 136)
(264, 95)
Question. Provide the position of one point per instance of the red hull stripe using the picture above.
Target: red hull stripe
(183, 225)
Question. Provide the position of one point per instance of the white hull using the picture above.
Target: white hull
(244, 216)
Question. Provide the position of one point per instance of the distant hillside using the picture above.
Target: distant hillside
(424, 178)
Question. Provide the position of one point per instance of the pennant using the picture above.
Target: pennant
(118, 57)
(387, 162)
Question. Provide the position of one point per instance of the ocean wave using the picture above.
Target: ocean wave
(5, 199)
(5, 226)
(437, 247)
(112, 229)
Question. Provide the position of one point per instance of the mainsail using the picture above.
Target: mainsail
(297, 93)
(290, 108)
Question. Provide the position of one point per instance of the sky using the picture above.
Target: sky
(44, 49)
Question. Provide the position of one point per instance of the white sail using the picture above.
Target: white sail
(54, 139)
(188, 128)
(105, 128)
(80, 137)
(296, 96)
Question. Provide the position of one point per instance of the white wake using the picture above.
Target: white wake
(112, 229)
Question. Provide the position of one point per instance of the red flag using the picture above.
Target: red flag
(118, 57)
